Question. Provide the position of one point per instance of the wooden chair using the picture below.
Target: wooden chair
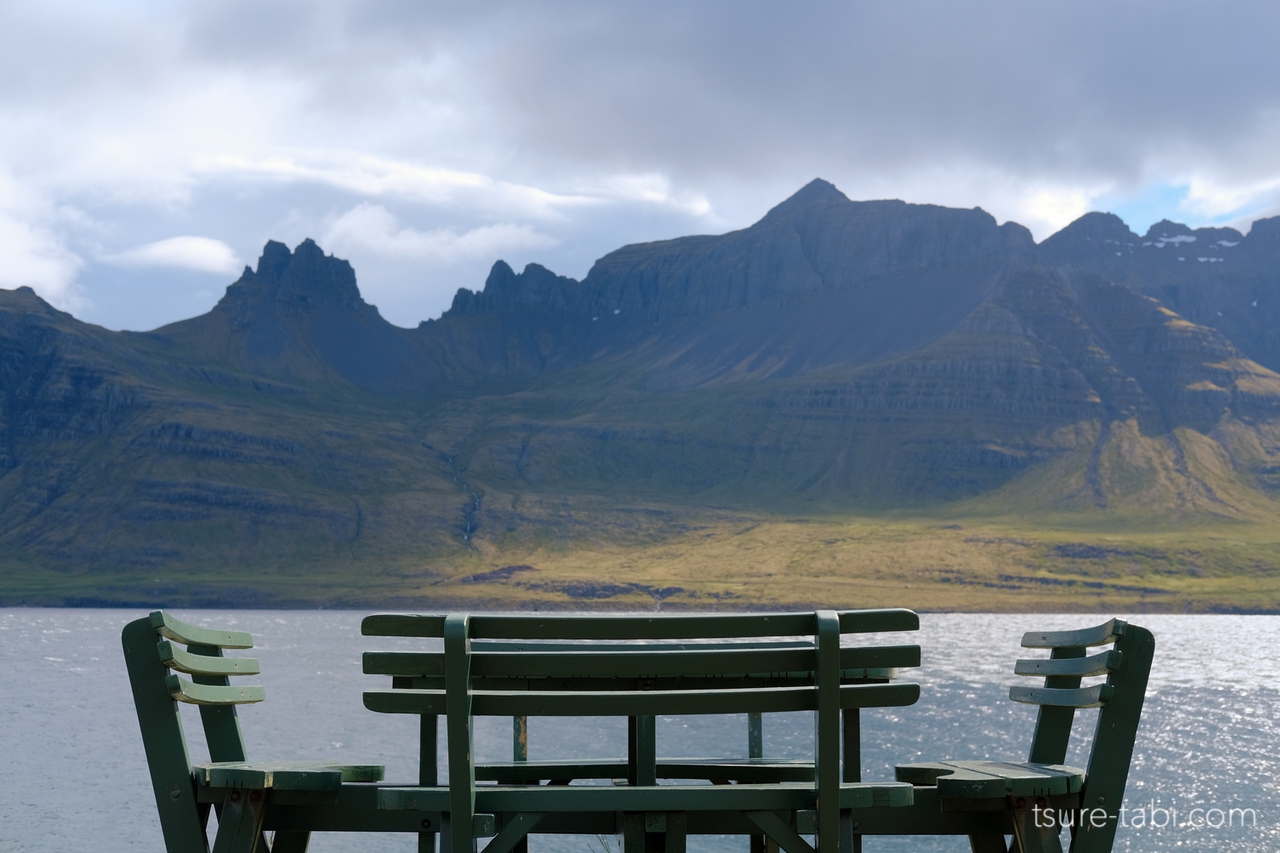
(238, 790)
(1035, 799)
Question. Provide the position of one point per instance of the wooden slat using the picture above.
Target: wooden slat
(740, 770)
(607, 703)
(1099, 664)
(179, 659)
(652, 798)
(403, 625)
(879, 657)
(1102, 634)
(423, 664)
(208, 694)
(483, 645)
(181, 632)
(635, 627)
(639, 662)
(873, 621)
(284, 776)
(1084, 697)
(602, 703)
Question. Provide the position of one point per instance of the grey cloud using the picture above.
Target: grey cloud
(957, 103)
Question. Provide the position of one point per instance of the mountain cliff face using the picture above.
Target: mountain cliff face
(836, 354)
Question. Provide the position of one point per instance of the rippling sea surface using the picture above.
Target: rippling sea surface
(75, 777)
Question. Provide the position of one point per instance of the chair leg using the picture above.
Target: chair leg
(291, 842)
(240, 824)
(989, 843)
(1035, 828)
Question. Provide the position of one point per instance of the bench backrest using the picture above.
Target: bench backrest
(156, 660)
(637, 666)
(1126, 666)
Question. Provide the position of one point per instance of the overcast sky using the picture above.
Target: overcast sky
(149, 149)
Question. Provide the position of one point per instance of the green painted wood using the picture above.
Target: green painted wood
(990, 842)
(428, 770)
(878, 621)
(516, 830)
(664, 798)
(240, 823)
(220, 721)
(169, 627)
(739, 770)
(980, 785)
(286, 776)
(428, 664)
(777, 830)
(163, 741)
(632, 833)
(458, 709)
(880, 795)
(1113, 739)
(290, 842)
(990, 780)
(506, 703)
(1026, 779)
(1105, 633)
(403, 625)
(634, 627)
(851, 734)
(755, 735)
(1099, 664)
(181, 660)
(1053, 722)
(1084, 697)
(182, 690)
(520, 737)
(827, 729)
(642, 750)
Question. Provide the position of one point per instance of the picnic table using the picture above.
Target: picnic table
(642, 667)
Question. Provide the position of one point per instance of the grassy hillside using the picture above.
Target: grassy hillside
(589, 553)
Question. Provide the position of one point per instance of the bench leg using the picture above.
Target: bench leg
(291, 842)
(240, 824)
(1032, 833)
(989, 843)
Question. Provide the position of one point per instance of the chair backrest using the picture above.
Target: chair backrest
(1126, 666)
(639, 666)
(155, 658)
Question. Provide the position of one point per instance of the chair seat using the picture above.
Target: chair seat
(992, 779)
(284, 776)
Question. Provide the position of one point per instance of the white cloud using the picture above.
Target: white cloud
(373, 176)
(373, 227)
(194, 253)
(32, 253)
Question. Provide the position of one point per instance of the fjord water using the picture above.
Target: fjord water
(75, 777)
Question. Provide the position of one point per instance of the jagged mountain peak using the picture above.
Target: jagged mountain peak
(1094, 227)
(814, 196)
(307, 272)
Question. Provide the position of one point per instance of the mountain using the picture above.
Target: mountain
(835, 357)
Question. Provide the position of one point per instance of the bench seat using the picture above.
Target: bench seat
(789, 796)
(709, 769)
(283, 776)
(985, 779)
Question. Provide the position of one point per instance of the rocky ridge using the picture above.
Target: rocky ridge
(836, 354)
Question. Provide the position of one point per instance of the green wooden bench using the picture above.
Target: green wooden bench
(1032, 800)
(240, 791)
(641, 666)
